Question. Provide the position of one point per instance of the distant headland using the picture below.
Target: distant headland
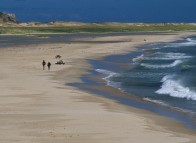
(7, 18)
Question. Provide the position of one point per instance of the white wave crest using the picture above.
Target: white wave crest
(168, 56)
(139, 58)
(155, 101)
(162, 56)
(175, 63)
(189, 42)
(105, 72)
(109, 75)
(175, 89)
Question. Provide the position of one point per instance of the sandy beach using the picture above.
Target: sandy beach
(37, 106)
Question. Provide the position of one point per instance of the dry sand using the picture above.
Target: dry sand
(37, 107)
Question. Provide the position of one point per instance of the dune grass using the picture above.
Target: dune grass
(97, 28)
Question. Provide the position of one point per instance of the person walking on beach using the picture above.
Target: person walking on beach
(49, 64)
(43, 64)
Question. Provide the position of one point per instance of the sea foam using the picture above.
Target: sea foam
(189, 42)
(174, 88)
(156, 101)
(168, 56)
(175, 63)
(108, 75)
(162, 56)
(139, 58)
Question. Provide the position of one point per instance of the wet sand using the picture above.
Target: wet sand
(39, 106)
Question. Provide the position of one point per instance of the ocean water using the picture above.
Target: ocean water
(163, 74)
(101, 10)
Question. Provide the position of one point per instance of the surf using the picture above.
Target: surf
(175, 88)
(108, 75)
(156, 66)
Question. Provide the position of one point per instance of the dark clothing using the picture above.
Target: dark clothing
(43, 64)
(49, 64)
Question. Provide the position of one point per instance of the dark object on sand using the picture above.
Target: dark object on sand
(60, 62)
(43, 64)
(49, 65)
(58, 56)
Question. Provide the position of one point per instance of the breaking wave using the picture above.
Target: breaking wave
(175, 63)
(109, 75)
(168, 56)
(189, 42)
(139, 58)
(162, 56)
(174, 88)
(155, 101)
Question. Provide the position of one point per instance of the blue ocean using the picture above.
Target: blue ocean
(163, 74)
(101, 10)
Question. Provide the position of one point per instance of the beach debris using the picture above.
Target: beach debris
(60, 62)
(58, 56)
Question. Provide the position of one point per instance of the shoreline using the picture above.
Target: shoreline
(94, 82)
(53, 106)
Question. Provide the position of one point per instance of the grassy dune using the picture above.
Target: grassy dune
(92, 28)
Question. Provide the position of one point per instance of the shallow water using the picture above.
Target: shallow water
(165, 74)
(162, 74)
(22, 40)
(30, 39)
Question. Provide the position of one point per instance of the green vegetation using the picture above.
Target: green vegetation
(99, 28)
